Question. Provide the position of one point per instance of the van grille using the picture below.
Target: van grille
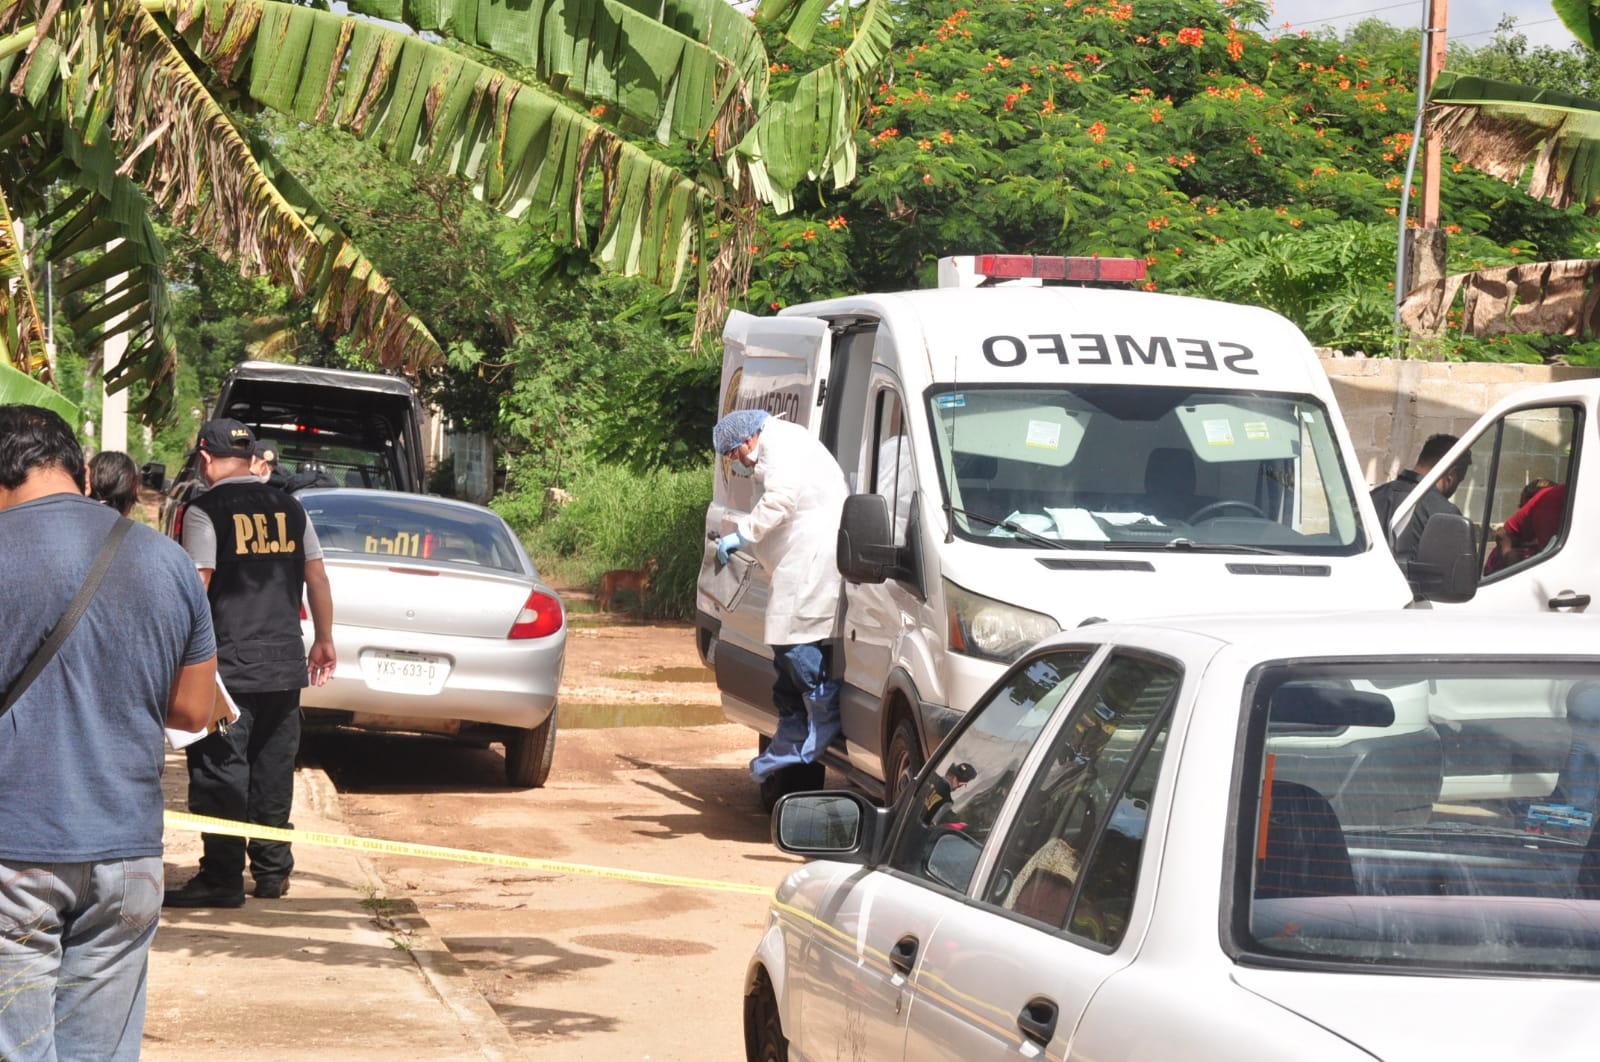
(1062, 564)
(1280, 569)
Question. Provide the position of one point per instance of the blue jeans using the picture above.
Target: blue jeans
(74, 939)
(807, 701)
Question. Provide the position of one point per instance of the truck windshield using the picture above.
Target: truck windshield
(1439, 816)
(1121, 467)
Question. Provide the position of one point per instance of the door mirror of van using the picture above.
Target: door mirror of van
(866, 539)
(1446, 565)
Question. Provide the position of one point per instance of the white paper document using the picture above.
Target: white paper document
(223, 711)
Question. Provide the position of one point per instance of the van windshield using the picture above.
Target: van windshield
(1121, 467)
(1440, 816)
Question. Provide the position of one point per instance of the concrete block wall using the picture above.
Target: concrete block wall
(1390, 406)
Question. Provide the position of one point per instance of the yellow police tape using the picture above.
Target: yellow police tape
(182, 820)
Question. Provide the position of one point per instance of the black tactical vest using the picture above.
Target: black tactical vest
(256, 587)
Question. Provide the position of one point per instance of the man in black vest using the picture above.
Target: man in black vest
(256, 551)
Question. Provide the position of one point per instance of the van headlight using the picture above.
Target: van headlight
(989, 629)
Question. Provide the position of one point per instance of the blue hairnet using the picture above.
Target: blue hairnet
(732, 430)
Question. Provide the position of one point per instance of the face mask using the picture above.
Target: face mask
(739, 468)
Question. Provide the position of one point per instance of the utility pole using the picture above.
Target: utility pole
(1421, 252)
(1433, 42)
(113, 405)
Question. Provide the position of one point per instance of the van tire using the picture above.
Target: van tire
(902, 761)
(529, 754)
(796, 778)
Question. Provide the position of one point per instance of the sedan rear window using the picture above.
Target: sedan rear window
(1442, 817)
(379, 524)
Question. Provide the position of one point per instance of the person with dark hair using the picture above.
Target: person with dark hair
(82, 746)
(256, 552)
(113, 480)
(1387, 497)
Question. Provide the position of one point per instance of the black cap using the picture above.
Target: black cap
(225, 437)
(265, 449)
(964, 772)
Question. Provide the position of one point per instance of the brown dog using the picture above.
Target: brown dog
(638, 580)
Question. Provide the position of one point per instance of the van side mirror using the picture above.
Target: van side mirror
(1445, 568)
(866, 552)
(153, 474)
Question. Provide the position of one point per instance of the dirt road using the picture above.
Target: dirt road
(589, 967)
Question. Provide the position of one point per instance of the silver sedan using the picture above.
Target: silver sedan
(1331, 838)
(441, 623)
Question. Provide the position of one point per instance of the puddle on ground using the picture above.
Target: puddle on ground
(601, 716)
(667, 674)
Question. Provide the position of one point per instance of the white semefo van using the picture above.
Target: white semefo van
(1026, 459)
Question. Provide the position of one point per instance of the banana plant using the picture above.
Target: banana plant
(1548, 144)
(114, 112)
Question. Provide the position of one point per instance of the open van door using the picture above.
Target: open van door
(777, 364)
(1532, 521)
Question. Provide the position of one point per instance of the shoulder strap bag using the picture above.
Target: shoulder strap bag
(69, 619)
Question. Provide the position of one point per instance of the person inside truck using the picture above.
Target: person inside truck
(1530, 529)
(792, 530)
(1386, 497)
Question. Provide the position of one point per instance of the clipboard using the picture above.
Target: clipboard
(223, 712)
(726, 584)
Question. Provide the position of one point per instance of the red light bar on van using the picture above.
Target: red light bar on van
(1056, 267)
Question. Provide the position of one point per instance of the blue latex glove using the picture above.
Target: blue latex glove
(731, 541)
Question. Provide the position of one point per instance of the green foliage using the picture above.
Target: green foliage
(620, 519)
(1165, 129)
(1336, 280)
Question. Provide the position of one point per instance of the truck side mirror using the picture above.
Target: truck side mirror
(866, 552)
(1445, 568)
(153, 474)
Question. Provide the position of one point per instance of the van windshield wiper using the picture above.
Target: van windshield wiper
(1009, 525)
(1189, 545)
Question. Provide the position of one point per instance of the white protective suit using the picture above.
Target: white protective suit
(793, 530)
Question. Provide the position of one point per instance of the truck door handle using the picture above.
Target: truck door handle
(904, 954)
(1568, 599)
(1038, 1020)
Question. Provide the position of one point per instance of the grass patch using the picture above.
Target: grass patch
(620, 519)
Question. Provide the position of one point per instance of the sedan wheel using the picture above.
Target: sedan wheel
(529, 754)
(763, 1030)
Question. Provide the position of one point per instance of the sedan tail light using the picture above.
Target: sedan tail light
(539, 618)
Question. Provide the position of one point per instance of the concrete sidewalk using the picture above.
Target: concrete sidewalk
(336, 969)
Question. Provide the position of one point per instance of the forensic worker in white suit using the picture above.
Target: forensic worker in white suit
(792, 529)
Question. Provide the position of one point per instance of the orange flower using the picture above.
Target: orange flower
(1193, 36)
(924, 144)
(838, 222)
(947, 137)
(809, 234)
(597, 111)
(927, 178)
(1097, 132)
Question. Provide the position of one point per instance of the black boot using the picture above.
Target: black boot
(203, 892)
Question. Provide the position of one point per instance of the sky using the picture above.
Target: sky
(1472, 22)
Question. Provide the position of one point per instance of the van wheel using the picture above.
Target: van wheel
(763, 1028)
(795, 778)
(903, 761)
(529, 754)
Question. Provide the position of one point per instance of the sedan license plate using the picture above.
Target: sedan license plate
(394, 672)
